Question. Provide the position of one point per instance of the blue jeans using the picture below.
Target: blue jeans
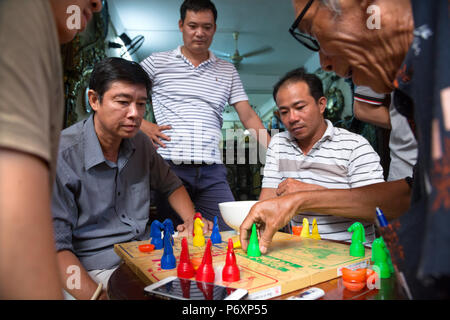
(207, 186)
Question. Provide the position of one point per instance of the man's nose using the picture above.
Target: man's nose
(96, 5)
(133, 111)
(293, 116)
(325, 62)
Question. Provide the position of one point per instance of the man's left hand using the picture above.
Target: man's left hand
(292, 185)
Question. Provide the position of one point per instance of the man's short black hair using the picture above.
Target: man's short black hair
(196, 6)
(117, 69)
(297, 75)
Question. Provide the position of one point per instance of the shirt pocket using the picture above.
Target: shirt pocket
(138, 200)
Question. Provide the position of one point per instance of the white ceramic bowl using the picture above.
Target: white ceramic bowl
(234, 212)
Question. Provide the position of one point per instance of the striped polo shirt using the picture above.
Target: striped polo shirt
(191, 100)
(339, 160)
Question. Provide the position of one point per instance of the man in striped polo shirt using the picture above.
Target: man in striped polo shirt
(313, 154)
(191, 89)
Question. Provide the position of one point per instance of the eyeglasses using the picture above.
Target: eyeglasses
(308, 41)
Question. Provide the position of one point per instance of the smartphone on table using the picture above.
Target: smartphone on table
(186, 289)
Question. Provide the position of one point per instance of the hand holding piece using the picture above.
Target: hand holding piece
(269, 216)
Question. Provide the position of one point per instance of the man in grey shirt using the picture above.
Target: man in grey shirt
(106, 169)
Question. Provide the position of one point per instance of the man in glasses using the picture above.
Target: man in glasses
(404, 52)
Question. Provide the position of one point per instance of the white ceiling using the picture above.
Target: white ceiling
(260, 23)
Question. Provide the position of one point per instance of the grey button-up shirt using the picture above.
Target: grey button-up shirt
(97, 203)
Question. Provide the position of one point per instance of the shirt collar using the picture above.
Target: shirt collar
(93, 154)
(328, 134)
(177, 52)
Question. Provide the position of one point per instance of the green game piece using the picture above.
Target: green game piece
(253, 245)
(380, 257)
(358, 238)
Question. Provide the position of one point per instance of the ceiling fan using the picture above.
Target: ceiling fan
(236, 58)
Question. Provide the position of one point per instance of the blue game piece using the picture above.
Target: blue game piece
(168, 228)
(215, 235)
(155, 233)
(168, 260)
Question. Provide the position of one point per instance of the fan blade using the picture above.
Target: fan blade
(221, 54)
(256, 52)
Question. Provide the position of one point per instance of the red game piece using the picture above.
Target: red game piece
(205, 271)
(185, 268)
(230, 272)
(146, 247)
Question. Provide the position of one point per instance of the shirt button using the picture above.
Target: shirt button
(118, 193)
(123, 216)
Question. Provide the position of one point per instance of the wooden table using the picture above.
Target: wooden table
(125, 285)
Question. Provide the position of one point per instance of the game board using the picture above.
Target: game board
(292, 263)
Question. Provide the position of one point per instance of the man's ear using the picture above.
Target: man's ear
(180, 25)
(94, 99)
(322, 102)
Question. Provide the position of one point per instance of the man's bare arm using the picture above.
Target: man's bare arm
(358, 203)
(250, 120)
(28, 267)
(87, 286)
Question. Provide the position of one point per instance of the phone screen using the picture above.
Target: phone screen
(193, 290)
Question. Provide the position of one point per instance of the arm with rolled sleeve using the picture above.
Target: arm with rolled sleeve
(65, 216)
(272, 175)
(166, 182)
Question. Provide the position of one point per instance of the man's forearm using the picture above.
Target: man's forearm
(358, 203)
(28, 267)
(82, 287)
(180, 201)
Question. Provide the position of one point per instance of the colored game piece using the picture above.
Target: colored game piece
(237, 244)
(215, 235)
(185, 268)
(315, 231)
(168, 228)
(305, 229)
(230, 272)
(196, 262)
(197, 215)
(253, 245)
(155, 233)
(168, 260)
(199, 239)
(358, 238)
(380, 258)
(297, 230)
(146, 247)
(205, 271)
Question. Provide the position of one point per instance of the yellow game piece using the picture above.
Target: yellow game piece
(305, 229)
(315, 231)
(199, 239)
(237, 244)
